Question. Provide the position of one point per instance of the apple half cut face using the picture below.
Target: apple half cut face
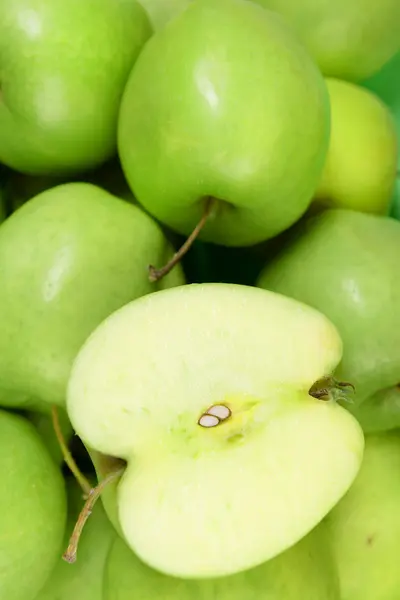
(204, 391)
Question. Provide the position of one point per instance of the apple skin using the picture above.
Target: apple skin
(379, 412)
(82, 580)
(32, 509)
(349, 39)
(160, 12)
(365, 525)
(68, 258)
(251, 131)
(307, 570)
(360, 170)
(63, 69)
(345, 264)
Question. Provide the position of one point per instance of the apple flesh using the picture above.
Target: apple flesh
(68, 258)
(251, 132)
(360, 170)
(307, 570)
(349, 39)
(204, 496)
(63, 69)
(365, 525)
(32, 509)
(345, 264)
(84, 579)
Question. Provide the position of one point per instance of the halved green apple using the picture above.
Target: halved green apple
(204, 391)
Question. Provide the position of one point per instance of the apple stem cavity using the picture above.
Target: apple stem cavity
(214, 416)
(330, 389)
(157, 274)
(68, 458)
(70, 554)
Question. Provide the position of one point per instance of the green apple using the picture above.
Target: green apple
(349, 39)
(365, 525)
(307, 570)
(204, 391)
(360, 170)
(345, 264)
(160, 12)
(224, 103)
(45, 427)
(32, 509)
(63, 68)
(68, 258)
(83, 580)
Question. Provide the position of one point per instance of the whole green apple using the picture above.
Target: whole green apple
(204, 391)
(345, 264)
(349, 39)
(63, 69)
(307, 570)
(224, 103)
(68, 258)
(365, 525)
(83, 580)
(360, 170)
(32, 509)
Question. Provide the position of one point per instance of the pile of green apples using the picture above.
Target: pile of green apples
(199, 300)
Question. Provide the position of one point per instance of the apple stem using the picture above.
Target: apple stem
(71, 552)
(68, 458)
(157, 274)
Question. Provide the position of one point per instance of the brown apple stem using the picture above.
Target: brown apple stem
(157, 274)
(68, 458)
(71, 552)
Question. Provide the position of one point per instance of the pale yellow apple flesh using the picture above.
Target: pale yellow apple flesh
(203, 390)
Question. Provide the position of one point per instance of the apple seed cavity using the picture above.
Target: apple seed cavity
(215, 415)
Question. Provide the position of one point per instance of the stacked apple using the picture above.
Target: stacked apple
(199, 323)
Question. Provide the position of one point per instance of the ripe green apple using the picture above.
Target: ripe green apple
(360, 170)
(365, 525)
(68, 258)
(204, 391)
(224, 103)
(63, 68)
(83, 580)
(345, 264)
(32, 509)
(349, 39)
(160, 12)
(307, 570)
